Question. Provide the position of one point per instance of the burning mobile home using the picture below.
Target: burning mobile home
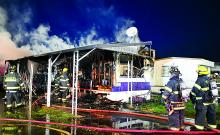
(120, 70)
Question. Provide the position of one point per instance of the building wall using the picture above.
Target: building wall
(187, 67)
(216, 68)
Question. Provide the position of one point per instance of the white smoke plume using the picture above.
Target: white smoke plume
(3, 19)
(90, 39)
(38, 41)
(8, 49)
(41, 42)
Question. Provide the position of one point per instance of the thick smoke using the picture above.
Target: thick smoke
(38, 40)
(8, 49)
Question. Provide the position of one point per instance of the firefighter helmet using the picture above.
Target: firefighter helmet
(216, 74)
(65, 69)
(174, 70)
(202, 70)
(12, 68)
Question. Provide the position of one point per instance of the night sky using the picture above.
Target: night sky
(176, 28)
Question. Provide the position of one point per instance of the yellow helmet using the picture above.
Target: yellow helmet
(202, 70)
(65, 69)
(12, 68)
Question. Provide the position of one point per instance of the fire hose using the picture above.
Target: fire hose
(111, 130)
(133, 114)
(214, 131)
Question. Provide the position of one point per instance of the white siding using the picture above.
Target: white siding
(187, 67)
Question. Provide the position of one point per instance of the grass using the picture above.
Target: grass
(154, 106)
(14, 115)
(40, 114)
(55, 115)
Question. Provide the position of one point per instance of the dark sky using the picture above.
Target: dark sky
(184, 28)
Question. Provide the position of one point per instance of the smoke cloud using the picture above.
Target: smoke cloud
(91, 39)
(20, 41)
(8, 49)
(40, 41)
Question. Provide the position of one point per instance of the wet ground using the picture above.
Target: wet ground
(29, 129)
(87, 119)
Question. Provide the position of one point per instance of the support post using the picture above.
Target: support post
(47, 130)
(131, 79)
(75, 82)
(49, 81)
(128, 73)
(30, 98)
(18, 68)
(30, 89)
(77, 71)
(76, 61)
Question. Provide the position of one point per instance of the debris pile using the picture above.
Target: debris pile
(98, 101)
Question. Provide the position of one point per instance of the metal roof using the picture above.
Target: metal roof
(118, 47)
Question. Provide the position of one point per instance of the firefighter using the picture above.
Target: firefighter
(202, 95)
(215, 84)
(57, 76)
(63, 84)
(56, 91)
(12, 85)
(172, 97)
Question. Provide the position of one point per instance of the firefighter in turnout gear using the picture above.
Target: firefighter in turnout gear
(172, 97)
(12, 85)
(203, 95)
(57, 77)
(62, 83)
